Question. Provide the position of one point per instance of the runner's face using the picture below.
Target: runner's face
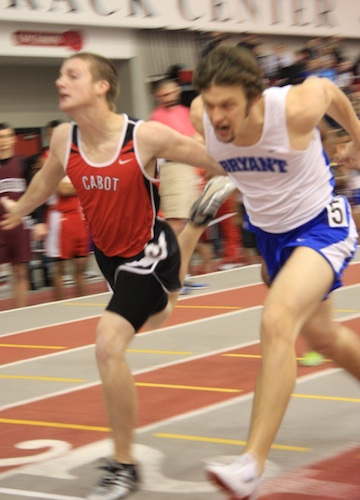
(168, 95)
(75, 84)
(227, 108)
(7, 141)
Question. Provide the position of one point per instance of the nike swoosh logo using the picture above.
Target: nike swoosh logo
(123, 161)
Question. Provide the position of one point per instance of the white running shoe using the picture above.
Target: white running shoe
(118, 482)
(213, 196)
(241, 479)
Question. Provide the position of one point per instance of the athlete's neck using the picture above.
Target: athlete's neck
(251, 130)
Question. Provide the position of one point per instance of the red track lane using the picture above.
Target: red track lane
(336, 478)
(82, 407)
(82, 332)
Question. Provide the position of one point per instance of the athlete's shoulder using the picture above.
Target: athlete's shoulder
(196, 114)
(277, 92)
(61, 133)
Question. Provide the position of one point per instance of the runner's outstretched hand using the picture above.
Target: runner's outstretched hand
(9, 219)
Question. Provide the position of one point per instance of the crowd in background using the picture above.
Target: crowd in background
(327, 57)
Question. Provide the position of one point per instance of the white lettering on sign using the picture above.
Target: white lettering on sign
(259, 16)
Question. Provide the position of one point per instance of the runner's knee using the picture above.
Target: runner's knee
(278, 323)
(113, 334)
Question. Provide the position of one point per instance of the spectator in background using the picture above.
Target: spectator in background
(40, 265)
(278, 62)
(214, 39)
(49, 129)
(180, 184)
(348, 178)
(64, 230)
(14, 244)
(250, 250)
(67, 239)
(40, 228)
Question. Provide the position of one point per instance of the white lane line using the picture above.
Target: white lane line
(50, 325)
(51, 304)
(145, 370)
(199, 293)
(135, 372)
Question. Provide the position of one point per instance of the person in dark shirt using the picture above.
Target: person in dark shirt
(14, 244)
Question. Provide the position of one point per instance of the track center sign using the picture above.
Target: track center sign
(293, 17)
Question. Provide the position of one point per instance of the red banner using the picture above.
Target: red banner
(71, 39)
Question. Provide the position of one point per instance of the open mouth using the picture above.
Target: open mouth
(222, 130)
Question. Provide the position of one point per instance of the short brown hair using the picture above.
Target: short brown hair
(102, 68)
(230, 65)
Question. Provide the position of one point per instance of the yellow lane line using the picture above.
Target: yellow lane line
(178, 306)
(254, 356)
(29, 346)
(46, 379)
(97, 304)
(174, 436)
(139, 384)
(188, 387)
(225, 441)
(258, 356)
(207, 307)
(84, 304)
(347, 310)
(57, 347)
(160, 435)
(222, 389)
(176, 386)
(326, 398)
(155, 351)
(54, 424)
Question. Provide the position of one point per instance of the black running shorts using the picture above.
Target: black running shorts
(141, 284)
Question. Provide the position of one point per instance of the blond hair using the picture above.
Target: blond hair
(102, 68)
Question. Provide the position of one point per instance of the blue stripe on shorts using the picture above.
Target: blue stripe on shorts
(332, 233)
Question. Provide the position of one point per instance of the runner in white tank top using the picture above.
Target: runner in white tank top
(268, 143)
(283, 188)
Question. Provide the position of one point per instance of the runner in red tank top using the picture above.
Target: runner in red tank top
(15, 246)
(68, 239)
(112, 163)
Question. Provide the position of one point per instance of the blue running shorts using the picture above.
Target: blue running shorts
(332, 233)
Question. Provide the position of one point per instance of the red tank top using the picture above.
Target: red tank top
(120, 201)
(68, 204)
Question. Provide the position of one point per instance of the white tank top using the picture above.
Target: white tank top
(282, 188)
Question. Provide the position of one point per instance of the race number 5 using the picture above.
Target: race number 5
(337, 213)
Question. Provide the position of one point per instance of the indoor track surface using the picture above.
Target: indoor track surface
(195, 379)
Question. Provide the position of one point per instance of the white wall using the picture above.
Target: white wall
(28, 97)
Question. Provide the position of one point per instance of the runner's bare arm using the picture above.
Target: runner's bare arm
(309, 102)
(196, 115)
(156, 140)
(43, 184)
